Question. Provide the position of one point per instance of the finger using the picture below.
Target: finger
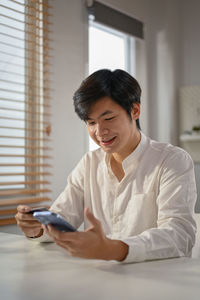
(91, 218)
(58, 238)
(23, 208)
(63, 236)
(28, 224)
(67, 246)
(25, 217)
(71, 247)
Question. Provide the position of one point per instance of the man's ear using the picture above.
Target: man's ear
(135, 112)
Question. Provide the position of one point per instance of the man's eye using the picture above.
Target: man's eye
(108, 119)
(91, 123)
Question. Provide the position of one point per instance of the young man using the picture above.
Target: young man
(135, 196)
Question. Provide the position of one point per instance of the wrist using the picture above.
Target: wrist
(36, 236)
(117, 250)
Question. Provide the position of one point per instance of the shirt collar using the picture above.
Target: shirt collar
(136, 154)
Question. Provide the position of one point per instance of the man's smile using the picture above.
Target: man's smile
(108, 141)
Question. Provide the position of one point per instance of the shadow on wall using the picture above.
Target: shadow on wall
(197, 174)
(196, 249)
(189, 108)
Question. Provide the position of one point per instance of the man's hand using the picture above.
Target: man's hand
(92, 243)
(28, 224)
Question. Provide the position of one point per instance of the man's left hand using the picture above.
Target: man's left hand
(92, 243)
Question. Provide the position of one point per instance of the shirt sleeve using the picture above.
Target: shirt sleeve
(174, 235)
(70, 203)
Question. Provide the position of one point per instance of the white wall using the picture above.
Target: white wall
(190, 54)
(69, 69)
(190, 57)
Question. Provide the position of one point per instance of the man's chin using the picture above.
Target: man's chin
(107, 149)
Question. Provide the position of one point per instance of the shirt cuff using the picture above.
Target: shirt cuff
(42, 239)
(136, 252)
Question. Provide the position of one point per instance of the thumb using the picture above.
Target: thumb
(91, 218)
(23, 208)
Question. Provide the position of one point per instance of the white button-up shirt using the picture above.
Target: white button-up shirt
(151, 209)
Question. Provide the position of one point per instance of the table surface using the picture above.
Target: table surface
(32, 270)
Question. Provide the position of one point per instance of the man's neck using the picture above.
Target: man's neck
(119, 157)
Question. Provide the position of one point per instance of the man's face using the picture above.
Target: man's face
(111, 128)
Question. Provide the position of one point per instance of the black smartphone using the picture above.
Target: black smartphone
(54, 219)
(37, 209)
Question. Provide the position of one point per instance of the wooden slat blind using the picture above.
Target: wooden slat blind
(25, 105)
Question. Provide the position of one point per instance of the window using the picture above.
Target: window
(110, 49)
(24, 105)
(107, 48)
(112, 40)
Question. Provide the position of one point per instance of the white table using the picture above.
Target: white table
(29, 270)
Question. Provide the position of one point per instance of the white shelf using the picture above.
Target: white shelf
(190, 137)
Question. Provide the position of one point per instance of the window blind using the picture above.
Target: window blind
(25, 105)
(113, 18)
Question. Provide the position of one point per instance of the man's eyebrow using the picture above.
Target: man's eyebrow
(103, 114)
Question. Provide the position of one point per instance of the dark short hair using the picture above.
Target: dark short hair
(120, 86)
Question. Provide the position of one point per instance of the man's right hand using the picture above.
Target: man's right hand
(27, 223)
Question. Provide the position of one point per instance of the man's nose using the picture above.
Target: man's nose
(101, 130)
